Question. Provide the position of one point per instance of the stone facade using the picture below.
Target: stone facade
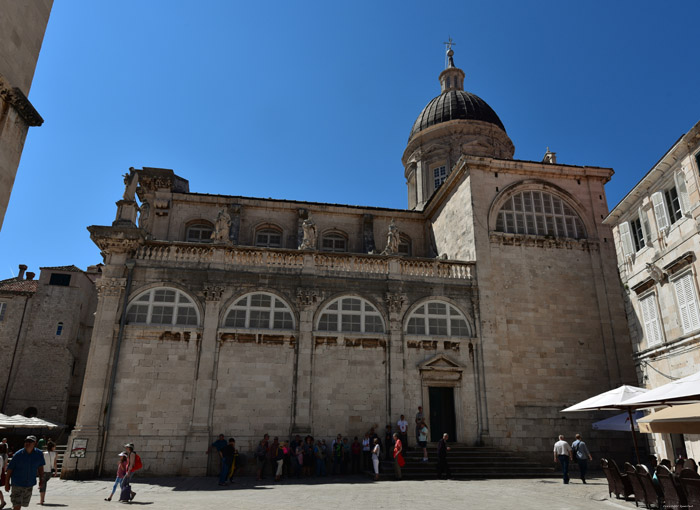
(656, 228)
(45, 332)
(22, 27)
(491, 328)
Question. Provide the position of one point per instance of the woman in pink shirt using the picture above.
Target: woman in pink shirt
(121, 473)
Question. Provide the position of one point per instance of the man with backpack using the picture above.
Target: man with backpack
(581, 456)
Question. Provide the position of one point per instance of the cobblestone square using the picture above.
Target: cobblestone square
(339, 493)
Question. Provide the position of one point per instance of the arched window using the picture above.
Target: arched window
(334, 241)
(437, 318)
(163, 306)
(268, 238)
(539, 213)
(199, 233)
(351, 314)
(260, 310)
(405, 247)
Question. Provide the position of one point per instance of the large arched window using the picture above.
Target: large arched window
(437, 318)
(539, 213)
(163, 306)
(351, 314)
(259, 310)
(199, 233)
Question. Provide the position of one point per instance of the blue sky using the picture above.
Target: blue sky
(315, 100)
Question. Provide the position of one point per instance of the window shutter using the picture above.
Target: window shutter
(652, 328)
(687, 303)
(644, 221)
(626, 239)
(660, 212)
(682, 192)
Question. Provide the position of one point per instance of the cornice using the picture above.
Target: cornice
(117, 239)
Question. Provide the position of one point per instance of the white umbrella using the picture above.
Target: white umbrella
(19, 421)
(613, 399)
(617, 398)
(682, 391)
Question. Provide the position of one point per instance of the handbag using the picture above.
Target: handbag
(400, 460)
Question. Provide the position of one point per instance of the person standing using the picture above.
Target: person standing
(562, 454)
(403, 430)
(442, 464)
(3, 467)
(121, 473)
(420, 419)
(388, 442)
(580, 449)
(423, 439)
(219, 446)
(356, 452)
(50, 468)
(228, 453)
(261, 455)
(376, 455)
(398, 457)
(22, 471)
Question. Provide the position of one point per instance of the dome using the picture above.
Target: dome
(455, 105)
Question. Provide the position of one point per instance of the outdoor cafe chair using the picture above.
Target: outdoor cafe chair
(653, 493)
(623, 486)
(690, 481)
(608, 475)
(674, 497)
(639, 492)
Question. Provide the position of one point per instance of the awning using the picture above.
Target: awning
(681, 419)
(18, 421)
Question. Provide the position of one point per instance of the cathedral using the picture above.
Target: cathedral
(493, 302)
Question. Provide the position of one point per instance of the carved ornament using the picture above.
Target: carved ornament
(213, 292)
(110, 287)
(306, 297)
(16, 98)
(395, 301)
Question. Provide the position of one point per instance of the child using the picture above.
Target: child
(121, 472)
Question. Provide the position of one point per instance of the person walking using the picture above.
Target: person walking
(22, 472)
(3, 467)
(423, 439)
(376, 455)
(562, 454)
(121, 473)
(442, 464)
(582, 454)
(398, 457)
(228, 453)
(131, 467)
(50, 468)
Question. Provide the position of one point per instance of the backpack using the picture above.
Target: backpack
(137, 463)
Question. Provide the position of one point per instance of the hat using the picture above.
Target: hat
(129, 445)
(30, 438)
(123, 454)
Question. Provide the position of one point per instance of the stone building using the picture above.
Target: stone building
(22, 27)
(656, 229)
(493, 302)
(45, 331)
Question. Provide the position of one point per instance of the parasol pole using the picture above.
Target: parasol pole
(634, 435)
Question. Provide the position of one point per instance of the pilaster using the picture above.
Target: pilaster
(303, 366)
(395, 380)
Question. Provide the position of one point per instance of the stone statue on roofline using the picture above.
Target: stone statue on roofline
(392, 240)
(309, 240)
(131, 180)
(222, 227)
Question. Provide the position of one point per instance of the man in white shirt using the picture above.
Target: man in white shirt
(403, 431)
(562, 454)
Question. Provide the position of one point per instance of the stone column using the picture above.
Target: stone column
(194, 460)
(303, 375)
(395, 385)
(91, 413)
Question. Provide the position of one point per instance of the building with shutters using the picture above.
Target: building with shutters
(656, 227)
(492, 301)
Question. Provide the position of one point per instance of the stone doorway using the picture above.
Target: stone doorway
(442, 413)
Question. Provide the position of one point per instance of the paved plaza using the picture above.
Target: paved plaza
(339, 493)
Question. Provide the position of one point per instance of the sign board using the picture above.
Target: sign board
(79, 448)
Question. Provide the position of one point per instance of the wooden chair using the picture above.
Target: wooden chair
(690, 482)
(654, 494)
(674, 496)
(622, 482)
(608, 475)
(639, 492)
(690, 464)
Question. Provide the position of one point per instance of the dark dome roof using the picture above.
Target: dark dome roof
(454, 105)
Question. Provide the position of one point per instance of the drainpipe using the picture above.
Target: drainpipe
(122, 322)
(14, 353)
